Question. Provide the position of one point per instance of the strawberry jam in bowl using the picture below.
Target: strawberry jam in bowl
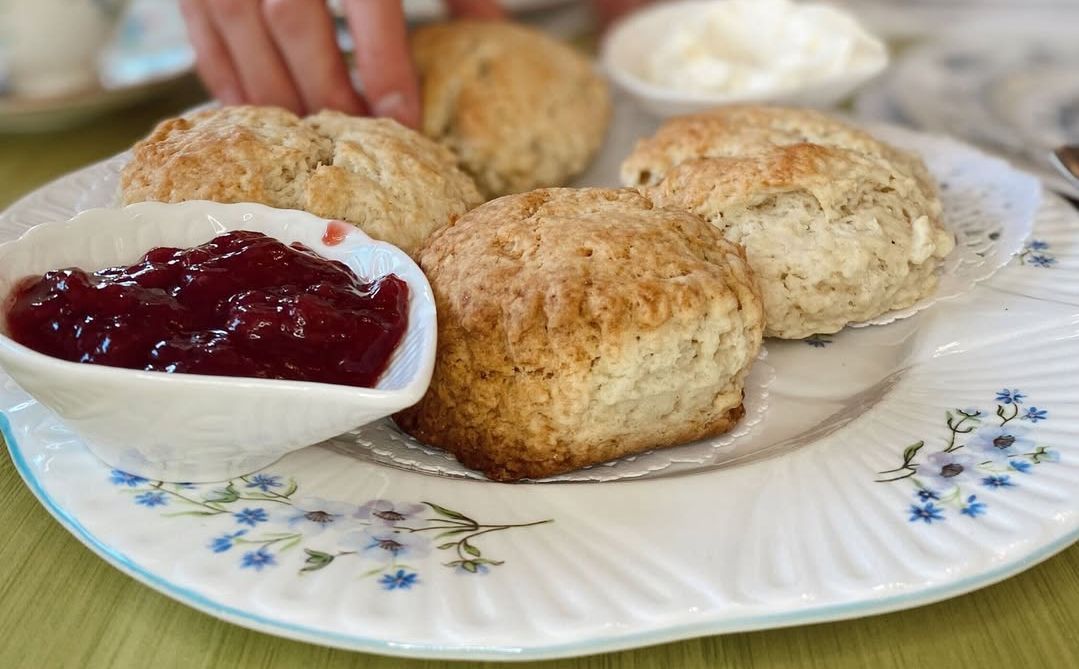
(242, 304)
(203, 341)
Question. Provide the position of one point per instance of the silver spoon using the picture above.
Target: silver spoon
(1066, 160)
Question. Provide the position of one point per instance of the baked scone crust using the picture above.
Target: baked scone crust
(578, 326)
(742, 130)
(520, 109)
(393, 183)
(833, 235)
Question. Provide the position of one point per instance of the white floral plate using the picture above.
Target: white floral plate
(894, 466)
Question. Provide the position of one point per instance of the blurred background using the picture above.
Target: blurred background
(82, 79)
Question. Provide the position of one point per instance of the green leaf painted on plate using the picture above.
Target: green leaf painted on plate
(910, 451)
(316, 560)
(449, 513)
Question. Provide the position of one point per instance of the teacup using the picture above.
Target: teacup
(53, 46)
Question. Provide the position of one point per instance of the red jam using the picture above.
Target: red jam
(336, 231)
(243, 304)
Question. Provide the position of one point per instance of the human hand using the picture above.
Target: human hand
(284, 53)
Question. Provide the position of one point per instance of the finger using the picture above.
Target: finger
(476, 9)
(304, 32)
(383, 59)
(212, 60)
(263, 75)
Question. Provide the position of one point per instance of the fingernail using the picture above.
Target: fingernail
(395, 106)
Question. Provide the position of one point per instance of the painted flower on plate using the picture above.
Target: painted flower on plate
(998, 481)
(1012, 396)
(224, 542)
(385, 543)
(313, 515)
(927, 512)
(258, 559)
(251, 517)
(941, 472)
(973, 507)
(401, 580)
(1041, 260)
(1001, 442)
(1034, 414)
(1021, 466)
(385, 512)
(151, 499)
(118, 477)
(264, 482)
(1038, 245)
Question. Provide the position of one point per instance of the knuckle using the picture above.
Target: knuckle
(286, 15)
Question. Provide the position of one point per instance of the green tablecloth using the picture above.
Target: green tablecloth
(61, 606)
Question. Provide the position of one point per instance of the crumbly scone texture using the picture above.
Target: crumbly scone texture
(519, 109)
(833, 235)
(393, 183)
(742, 130)
(578, 326)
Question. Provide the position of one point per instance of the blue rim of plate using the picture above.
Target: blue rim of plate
(378, 646)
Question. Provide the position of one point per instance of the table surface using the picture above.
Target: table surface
(63, 606)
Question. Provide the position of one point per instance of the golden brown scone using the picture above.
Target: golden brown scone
(577, 326)
(395, 184)
(231, 154)
(833, 236)
(741, 130)
(520, 109)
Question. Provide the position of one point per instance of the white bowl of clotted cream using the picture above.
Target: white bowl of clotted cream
(684, 57)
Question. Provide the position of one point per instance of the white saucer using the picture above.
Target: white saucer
(149, 54)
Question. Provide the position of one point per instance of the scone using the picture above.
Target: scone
(742, 130)
(392, 182)
(577, 326)
(833, 235)
(518, 108)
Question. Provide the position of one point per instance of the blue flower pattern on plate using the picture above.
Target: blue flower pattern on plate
(927, 512)
(1021, 466)
(225, 541)
(998, 481)
(151, 499)
(1012, 396)
(274, 519)
(258, 559)
(264, 482)
(973, 507)
(251, 517)
(1037, 254)
(401, 580)
(118, 477)
(1034, 414)
(979, 448)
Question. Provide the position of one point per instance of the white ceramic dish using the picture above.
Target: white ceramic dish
(186, 427)
(149, 55)
(794, 521)
(626, 53)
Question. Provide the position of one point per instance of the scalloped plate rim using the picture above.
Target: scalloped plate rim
(611, 643)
